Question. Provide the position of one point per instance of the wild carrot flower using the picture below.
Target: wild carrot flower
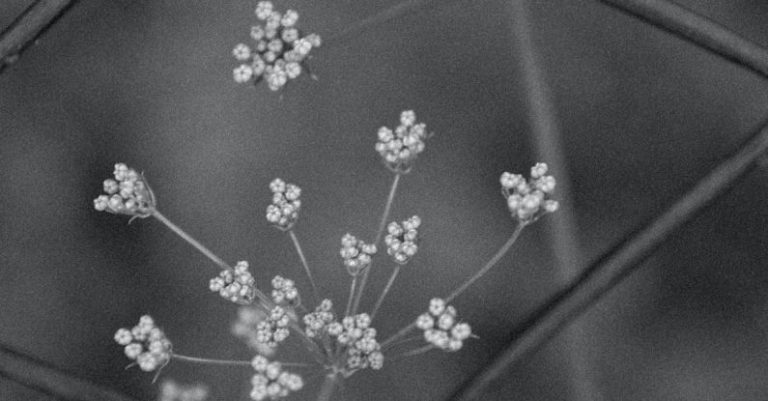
(172, 391)
(356, 253)
(284, 210)
(237, 285)
(284, 291)
(271, 382)
(128, 194)
(280, 51)
(363, 351)
(400, 148)
(441, 328)
(274, 329)
(315, 323)
(245, 328)
(401, 239)
(529, 200)
(146, 344)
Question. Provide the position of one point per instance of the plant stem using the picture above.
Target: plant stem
(417, 351)
(329, 385)
(382, 225)
(352, 288)
(304, 262)
(186, 237)
(386, 291)
(208, 361)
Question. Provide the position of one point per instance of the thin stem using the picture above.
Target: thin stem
(304, 262)
(186, 237)
(403, 341)
(492, 262)
(405, 330)
(379, 233)
(386, 291)
(418, 351)
(329, 385)
(227, 362)
(352, 288)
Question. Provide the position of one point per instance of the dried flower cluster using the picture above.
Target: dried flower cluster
(146, 344)
(529, 200)
(440, 326)
(356, 253)
(271, 382)
(237, 285)
(401, 239)
(399, 148)
(127, 194)
(280, 51)
(284, 210)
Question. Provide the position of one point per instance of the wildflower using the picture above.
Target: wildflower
(278, 42)
(529, 200)
(146, 344)
(237, 285)
(284, 210)
(401, 239)
(356, 253)
(363, 351)
(128, 193)
(271, 382)
(274, 329)
(172, 391)
(441, 328)
(245, 328)
(400, 148)
(284, 291)
(317, 321)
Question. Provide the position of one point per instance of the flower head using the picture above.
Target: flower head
(128, 193)
(284, 291)
(317, 322)
(441, 328)
(402, 239)
(237, 285)
(356, 254)
(274, 329)
(400, 148)
(362, 349)
(146, 344)
(246, 329)
(284, 210)
(280, 51)
(529, 200)
(271, 381)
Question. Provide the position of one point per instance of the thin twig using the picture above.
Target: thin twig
(28, 27)
(417, 351)
(227, 362)
(304, 263)
(41, 376)
(352, 287)
(379, 233)
(186, 237)
(699, 30)
(384, 293)
(615, 265)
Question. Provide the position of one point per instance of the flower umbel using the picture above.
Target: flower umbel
(529, 200)
(271, 382)
(356, 333)
(237, 285)
(401, 239)
(280, 51)
(356, 254)
(128, 194)
(440, 326)
(401, 147)
(284, 210)
(246, 328)
(146, 344)
(274, 329)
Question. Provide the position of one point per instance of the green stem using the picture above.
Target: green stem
(379, 233)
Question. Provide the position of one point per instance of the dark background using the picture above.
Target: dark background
(642, 115)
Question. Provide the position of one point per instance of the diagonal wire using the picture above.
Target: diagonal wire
(38, 375)
(27, 28)
(698, 29)
(615, 265)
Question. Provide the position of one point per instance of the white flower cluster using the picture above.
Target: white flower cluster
(284, 291)
(271, 382)
(236, 285)
(172, 391)
(356, 253)
(245, 328)
(400, 148)
(316, 322)
(529, 200)
(440, 326)
(356, 333)
(280, 51)
(401, 239)
(146, 344)
(284, 210)
(274, 329)
(127, 194)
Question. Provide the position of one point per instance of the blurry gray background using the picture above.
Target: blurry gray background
(643, 116)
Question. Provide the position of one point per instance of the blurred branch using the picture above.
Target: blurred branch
(697, 29)
(28, 26)
(616, 264)
(40, 376)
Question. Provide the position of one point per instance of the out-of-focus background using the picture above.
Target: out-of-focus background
(642, 115)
